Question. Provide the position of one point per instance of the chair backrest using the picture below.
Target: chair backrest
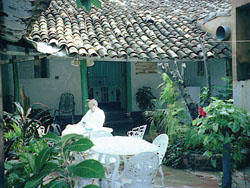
(100, 133)
(55, 128)
(141, 169)
(162, 142)
(137, 132)
(41, 130)
(67, 103)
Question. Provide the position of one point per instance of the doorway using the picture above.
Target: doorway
(107, 84)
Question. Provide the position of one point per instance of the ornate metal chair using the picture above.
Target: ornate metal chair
(66, 106)
(138, 132)
(162, 142)
(140, 170)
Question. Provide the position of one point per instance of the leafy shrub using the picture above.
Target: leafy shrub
(31, 169)
(224, 123)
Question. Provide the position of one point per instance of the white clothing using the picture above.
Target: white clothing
(93, 119)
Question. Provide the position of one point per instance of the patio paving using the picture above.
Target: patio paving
(183, 178)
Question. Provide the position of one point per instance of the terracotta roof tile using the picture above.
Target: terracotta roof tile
(144, 30)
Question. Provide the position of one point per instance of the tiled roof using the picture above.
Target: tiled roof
(17, 17)
(141, 29)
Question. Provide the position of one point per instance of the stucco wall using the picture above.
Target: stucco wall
(139, 80)
(241, 94)
(241, 89)
(217, 71)
(49, 90)
(212, 25)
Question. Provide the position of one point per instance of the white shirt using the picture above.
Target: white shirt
(93, 119)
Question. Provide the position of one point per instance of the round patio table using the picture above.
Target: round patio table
(120, 146)
(78, 129)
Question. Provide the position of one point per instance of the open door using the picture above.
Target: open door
(105, 84)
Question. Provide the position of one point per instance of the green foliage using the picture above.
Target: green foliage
(87, 4)
(225, 92)
(169, 114)
(224, 123)
(145, 97)
(20, 132)
(30, 169)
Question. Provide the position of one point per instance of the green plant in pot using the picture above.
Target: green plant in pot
(145, 97)
(226, 131)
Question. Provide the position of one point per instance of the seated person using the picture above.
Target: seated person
(95, 117)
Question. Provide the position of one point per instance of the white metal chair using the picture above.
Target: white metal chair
(41, 130)
(140, 170)
(138, 132)
(161, 142)
(55, 128)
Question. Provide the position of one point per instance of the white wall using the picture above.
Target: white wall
(241, 94)
(217, 71)
(49, 90)
(139, 80)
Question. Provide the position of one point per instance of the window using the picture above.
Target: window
(200, 68)
(41, 68)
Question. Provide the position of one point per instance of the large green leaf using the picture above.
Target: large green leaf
(30, 158)
(236, 127)
(87, 169)
(48, 168)
(80, 145)
(91, 186)
(97, 3)
(213, 162)
(86, 4)
(215, 127)
(34, 182)
(14, 165)
(19, 108)
(66, 138)
(57, 184)
(78, 3)
(42, 157)
(51, 137)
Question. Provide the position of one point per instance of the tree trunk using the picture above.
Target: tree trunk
(227, 166)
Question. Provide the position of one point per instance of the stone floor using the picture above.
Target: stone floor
(175, 178)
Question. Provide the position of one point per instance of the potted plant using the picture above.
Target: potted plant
(226, 131)
(144, 97)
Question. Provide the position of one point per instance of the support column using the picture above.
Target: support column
(84, 85)
(1, 132)
(129, 90)
(15, 80)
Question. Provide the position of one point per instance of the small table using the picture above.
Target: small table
(78, 129)
(120, 146)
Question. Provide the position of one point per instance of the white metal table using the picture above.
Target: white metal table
(79, 129)
(120, 146)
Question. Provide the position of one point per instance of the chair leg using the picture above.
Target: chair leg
(73, 118)
(162, 177)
